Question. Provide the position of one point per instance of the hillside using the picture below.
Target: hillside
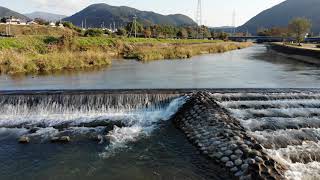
(281, 14)
(7, 12)
(97, 14)
(46, 16)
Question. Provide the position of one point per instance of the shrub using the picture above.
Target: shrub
(93, 33)
(318, 45)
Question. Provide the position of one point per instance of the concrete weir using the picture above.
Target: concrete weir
(222, 138)
(251, 133)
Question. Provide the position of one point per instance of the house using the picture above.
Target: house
(12, 20)
(52, 24)
(32, 23)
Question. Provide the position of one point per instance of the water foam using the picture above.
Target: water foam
(286, 124)
(140, 126)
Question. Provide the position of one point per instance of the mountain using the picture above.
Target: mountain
(97, 14)
(46, 16)
(281, 14)
(5, 12)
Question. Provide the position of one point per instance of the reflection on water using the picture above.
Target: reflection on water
(247, 68)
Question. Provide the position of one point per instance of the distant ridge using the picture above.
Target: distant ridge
(281, 14)
(98, 14)
(5, 12)
(46, 16)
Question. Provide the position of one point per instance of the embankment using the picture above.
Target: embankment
(303, 54)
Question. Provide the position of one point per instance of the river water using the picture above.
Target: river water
(254, 67)
(140, 142)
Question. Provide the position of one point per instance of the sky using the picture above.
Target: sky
(215, 12)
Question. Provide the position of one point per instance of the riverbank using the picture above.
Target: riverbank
(45, 54)
(306, 53)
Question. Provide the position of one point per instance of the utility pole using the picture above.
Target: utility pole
(199, 17)
(9, 30)
(135, 26)
(85, 23)
(234, 22)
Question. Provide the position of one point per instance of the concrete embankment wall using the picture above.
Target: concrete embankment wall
(310, 56)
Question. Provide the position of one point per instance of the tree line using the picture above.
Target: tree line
(297, 29)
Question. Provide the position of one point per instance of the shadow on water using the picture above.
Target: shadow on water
(166, 154)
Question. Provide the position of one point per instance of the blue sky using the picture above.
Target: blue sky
(215, 12)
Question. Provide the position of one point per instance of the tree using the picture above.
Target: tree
(147, 32)
(299, 27)
(223, 36)
(183, 33)
(93, 32)
(41, 21)
(121, 32)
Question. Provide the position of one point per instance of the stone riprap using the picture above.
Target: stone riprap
(222, 138)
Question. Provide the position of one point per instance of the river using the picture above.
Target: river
(254, 67)
(145, 145)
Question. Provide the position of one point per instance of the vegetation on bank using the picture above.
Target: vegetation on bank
(72, 49)
(13, 62)
(181, 51)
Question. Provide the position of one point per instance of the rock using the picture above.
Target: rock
(251, 161)
(244, 167)
(224, 159)
(233, 146)
(218, 155)
(234, 169)
(238, 162)
(258, 159)
(257, 147)
(223, 148)
(63, 139)
(234, 157)
(239, 173)
(228, 152)
(229, 164)
(238, 152)
(24, 140)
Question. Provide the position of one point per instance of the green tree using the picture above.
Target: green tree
(183, 33)
(121, 32)
(93, 32)
(147, 32)
(299, 27)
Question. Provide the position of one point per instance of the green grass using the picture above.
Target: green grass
(36, 54)
(12, 62)
(181, 51)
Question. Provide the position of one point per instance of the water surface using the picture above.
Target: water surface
(254, 67)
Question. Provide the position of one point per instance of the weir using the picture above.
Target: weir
(252, 133)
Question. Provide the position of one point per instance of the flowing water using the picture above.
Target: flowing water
(286, 124)
(128, 136)
(138, 141)
(254, 67)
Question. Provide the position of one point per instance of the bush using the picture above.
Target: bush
(12, 62)
(318, 45)
(93, 33)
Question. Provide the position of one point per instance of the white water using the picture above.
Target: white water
(286, 124)
(142, 126)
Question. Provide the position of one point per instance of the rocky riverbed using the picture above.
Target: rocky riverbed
(222, 138)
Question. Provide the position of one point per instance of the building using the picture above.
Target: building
(52, 24)
(12, 20)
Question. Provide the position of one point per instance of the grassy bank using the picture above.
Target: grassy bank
(12, 62)
(37, 54)
(181, 51)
